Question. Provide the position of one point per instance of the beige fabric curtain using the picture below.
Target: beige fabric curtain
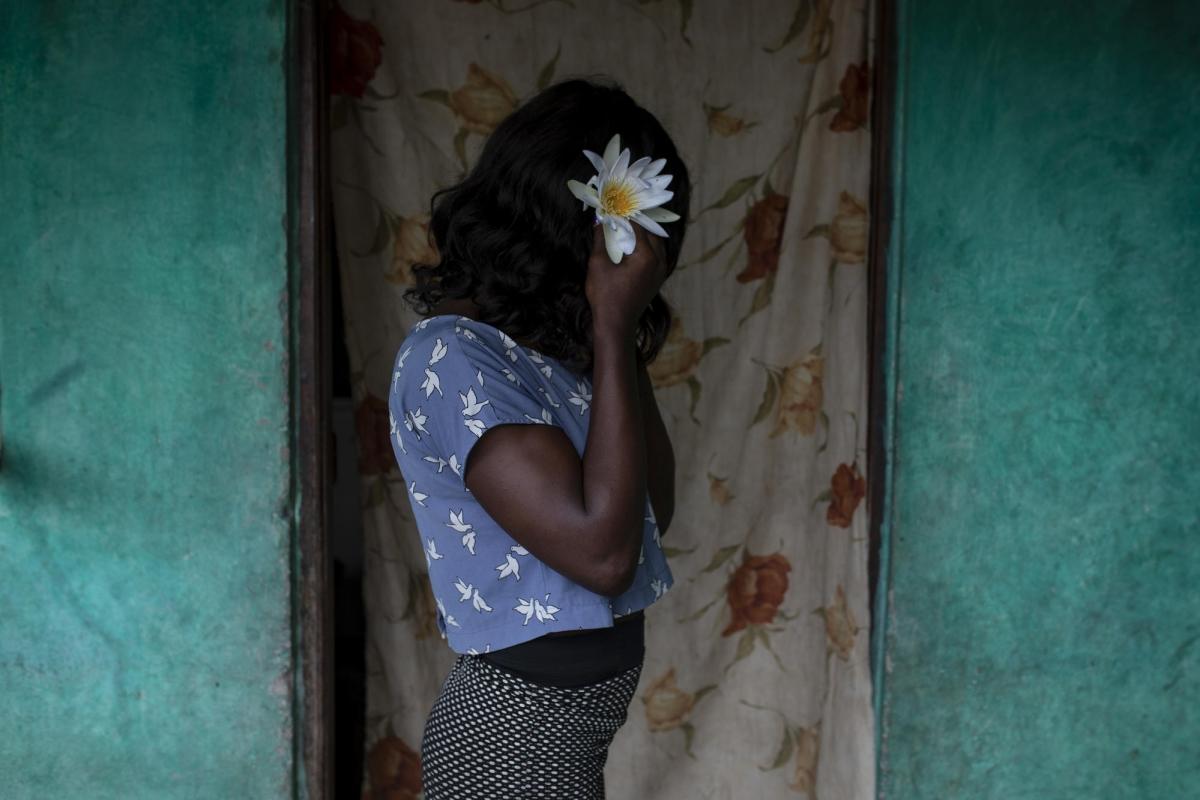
(756, 682)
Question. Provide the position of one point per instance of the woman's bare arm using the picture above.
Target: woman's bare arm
(660, 455)
(583, 517)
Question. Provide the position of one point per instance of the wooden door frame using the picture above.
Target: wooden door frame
(310, 364)
(883, 280)
(308, 169)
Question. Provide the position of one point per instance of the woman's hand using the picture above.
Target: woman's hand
(619, 293)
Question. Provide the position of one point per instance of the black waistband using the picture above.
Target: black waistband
(579, 659)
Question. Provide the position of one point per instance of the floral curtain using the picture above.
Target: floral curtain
(756, 682)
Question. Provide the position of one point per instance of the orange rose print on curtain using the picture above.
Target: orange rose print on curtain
(795, 394)
(723, 124)
(846, 490)
(354, 52)
(801, 394)
(840, 626)
(799, 742)
(719, 491)
(763, 232)
(668, 707)
(483, 101)
(479, 105)
(677, 361)
(393, 771)
(808, 746)
(847, 232)
(373, 428)
(855, 96)
(755, 590)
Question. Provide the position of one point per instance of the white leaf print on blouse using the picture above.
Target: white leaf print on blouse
(400, 366)
(581, 398)
(417, 497)
(545, 420)
(431, 553)
(415, 422)
(468, 533)
(533, 606)
(395, 432)
(536, 358)
(509, 345)
(467, 333)
(478, 603)
(467, 592)
(659, 587)
(549, 398)
(509, 567)
(449, 617)
(453, 462)
(431, 383)
(439, 351)
(512, 378)
(471, 407)
(441, 462)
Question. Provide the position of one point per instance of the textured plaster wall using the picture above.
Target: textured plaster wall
(1044, 634)
(144, 534)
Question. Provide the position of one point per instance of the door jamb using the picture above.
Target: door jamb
(312, 604)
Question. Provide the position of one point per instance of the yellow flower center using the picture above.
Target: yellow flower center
(617, 199)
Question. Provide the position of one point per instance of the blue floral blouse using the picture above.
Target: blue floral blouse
(453, 379)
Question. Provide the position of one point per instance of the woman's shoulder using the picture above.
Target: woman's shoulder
(445, 327)
(475, 340)
(449, 345)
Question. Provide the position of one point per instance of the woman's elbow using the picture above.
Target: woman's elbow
(615, 575)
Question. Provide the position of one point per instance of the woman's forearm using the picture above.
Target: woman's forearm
(660, 455)
(614, 457)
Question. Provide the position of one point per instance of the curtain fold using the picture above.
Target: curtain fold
(756, 681)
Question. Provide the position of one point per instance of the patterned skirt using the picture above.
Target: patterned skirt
(493, 734)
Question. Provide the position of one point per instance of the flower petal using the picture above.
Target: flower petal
(612, 150)
(652, 197)
(623, 225)
(654, 168)
(626, 238)
(649, 224)
(659, 181)
(659, 214)
(621, 167)
(596, 162)
(612, 244)
(635, 169)
(585, 193)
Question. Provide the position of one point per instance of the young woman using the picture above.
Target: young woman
(539, 470)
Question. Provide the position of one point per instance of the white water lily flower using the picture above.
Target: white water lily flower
(621, 193)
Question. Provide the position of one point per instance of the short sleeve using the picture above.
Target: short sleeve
(462, 385)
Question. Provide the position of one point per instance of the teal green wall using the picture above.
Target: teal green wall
(145, 632)
(1043, 635)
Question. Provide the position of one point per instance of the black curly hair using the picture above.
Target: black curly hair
(513, 239)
